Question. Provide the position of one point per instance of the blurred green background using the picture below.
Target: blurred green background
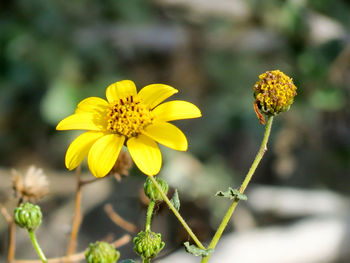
(55, 53)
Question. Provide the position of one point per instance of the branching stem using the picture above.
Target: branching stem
(177, 214)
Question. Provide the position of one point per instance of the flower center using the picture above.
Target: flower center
(128, 117)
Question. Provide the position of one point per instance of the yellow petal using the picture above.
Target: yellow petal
(154, 94)
(83, 121)
(80, 147)
(120, 90)
(176, 110)
(92, 104)
(145, 153)
(104, 153)
(167, 134)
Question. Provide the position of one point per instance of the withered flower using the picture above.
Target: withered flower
(31, 186)
(274, 92)
(122, 165)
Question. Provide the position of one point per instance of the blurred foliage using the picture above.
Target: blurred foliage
(54, 53)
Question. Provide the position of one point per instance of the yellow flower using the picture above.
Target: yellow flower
(136, 119)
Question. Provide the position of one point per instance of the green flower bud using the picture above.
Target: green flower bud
(28, 216)
(274, 92)
(151, 190)
(101, 252)
(148, 244)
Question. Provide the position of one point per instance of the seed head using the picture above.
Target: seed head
(32, 186)
(274, 92)
(122, 165)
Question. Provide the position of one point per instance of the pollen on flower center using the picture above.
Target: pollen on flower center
(128, 117)
(274, 92)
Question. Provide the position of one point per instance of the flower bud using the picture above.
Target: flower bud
(148, 244)
(28, 216)
(101, 252)
(274, 92)
(151, 190)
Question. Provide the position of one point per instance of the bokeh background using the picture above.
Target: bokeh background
(55, 53)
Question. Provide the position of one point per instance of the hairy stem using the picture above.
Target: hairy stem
(225, 220)
(177, 214)
(37, 246)
(149, 215)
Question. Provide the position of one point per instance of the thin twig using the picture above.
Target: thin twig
(12, 233)
(119, 220)
(89, 181)
(77, 217)
(12, 242)
(5, 213)
(78, 256)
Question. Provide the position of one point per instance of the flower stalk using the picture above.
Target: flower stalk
(225, 220)
(176, 213)
(37, 246)
(149, 215)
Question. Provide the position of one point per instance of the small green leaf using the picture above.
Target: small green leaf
(196, 251)
(232, 194)
(175, 200)
(128, 261)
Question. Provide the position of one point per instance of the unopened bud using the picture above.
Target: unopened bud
(28, 216)
(148, 244)
(151, 190)
(101, 252)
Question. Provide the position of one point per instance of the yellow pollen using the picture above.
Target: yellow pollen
(128, 117)
(274, 92)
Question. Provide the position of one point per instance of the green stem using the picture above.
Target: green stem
(37, 246)
(225, 220)
(149, 215)
(177, 214)
(146, 260)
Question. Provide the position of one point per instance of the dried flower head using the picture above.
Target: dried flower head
(32, 186)
(122, 165)
(274, 92)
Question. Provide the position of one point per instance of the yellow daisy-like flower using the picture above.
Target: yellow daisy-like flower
(137, 119)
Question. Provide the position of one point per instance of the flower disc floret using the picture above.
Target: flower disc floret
(128, 117)
(274, 92)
